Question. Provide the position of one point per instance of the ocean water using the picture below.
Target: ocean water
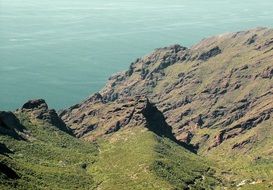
(64, 50)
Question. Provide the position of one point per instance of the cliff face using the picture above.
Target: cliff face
(219, 89)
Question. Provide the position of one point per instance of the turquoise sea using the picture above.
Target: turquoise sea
(64, 50)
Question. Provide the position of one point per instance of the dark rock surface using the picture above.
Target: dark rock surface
(156, 121)
(4, 149)
(35, 104)
(209, 54)
(10, 125)
(8, 171)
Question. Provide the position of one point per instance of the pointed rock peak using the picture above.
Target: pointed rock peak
(35, 104)
(148, 107)
(156, 121)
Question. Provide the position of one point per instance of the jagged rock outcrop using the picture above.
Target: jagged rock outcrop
(211, 53)
(38, 109)
(131, 112)
(208, 94)
(242, 126)
(155, 120)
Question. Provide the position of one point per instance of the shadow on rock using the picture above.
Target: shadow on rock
(156, 123)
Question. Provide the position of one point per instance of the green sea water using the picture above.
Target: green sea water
(64, 50)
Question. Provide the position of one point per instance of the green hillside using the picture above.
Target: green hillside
(131, 159)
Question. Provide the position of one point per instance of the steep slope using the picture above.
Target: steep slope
(217, 97)
(38, 152)
(38, 155)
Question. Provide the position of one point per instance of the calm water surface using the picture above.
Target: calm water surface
(64, 50)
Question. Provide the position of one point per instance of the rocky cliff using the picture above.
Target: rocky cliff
(217, 90)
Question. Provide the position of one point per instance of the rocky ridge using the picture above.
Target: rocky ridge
(38, 109)
(216, 90)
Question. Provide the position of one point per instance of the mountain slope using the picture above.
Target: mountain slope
(217, 97)
(41, 153)
(179, 118)
(44, 157)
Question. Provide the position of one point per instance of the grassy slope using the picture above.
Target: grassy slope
(138, 159)
(50, 159)
(133, 158)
